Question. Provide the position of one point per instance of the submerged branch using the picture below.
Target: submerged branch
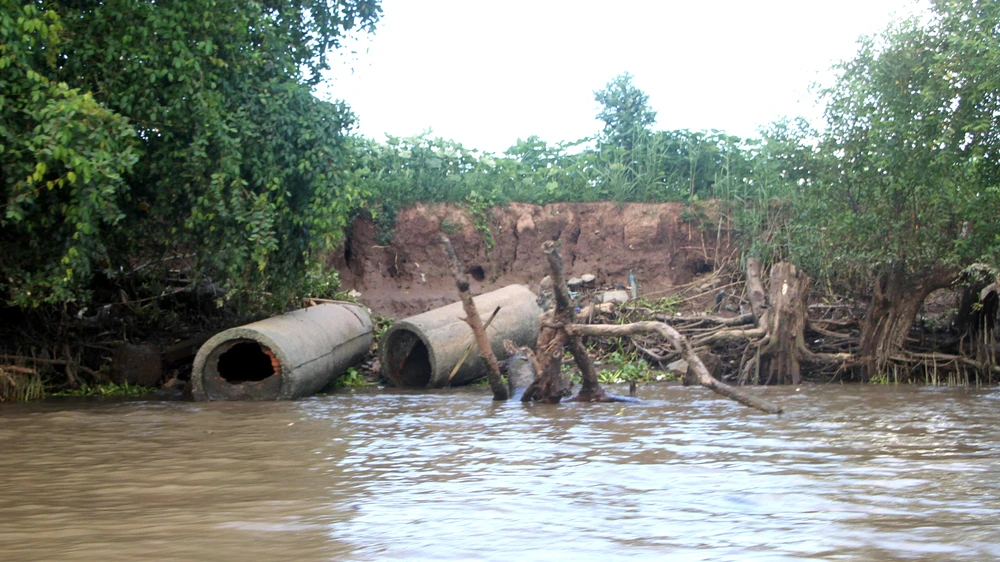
(678, 341)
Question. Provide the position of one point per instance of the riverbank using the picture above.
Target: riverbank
(680, 259)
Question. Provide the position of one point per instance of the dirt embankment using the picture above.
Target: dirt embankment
(665, 245)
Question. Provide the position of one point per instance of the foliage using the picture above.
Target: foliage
(779, 170)
(140, 130)
(913, 145)
(382, 323)
(419, 168)
(479, 207)
(644, 306)
(665, 166)
(321, 283)
(626, 114)
(630, 162)
(352, 377)
(540, 173)
(106, 390)
(406, 170)
(62, 160)
(626, 367)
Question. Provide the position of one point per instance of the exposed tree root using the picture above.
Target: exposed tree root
(678, 341)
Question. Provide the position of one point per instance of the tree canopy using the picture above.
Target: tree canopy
(183, 135)
(625, 111)
(911, 144)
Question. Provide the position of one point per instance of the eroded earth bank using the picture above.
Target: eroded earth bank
(403, 271)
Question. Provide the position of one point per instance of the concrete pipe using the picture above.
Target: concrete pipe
(284, 357)
(421, 351)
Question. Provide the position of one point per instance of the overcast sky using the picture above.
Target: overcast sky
(487, 72)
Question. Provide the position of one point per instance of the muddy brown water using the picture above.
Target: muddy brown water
(847, 473)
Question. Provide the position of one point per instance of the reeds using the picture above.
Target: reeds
(20, 384)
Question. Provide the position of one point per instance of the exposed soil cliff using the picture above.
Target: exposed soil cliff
(664, 245)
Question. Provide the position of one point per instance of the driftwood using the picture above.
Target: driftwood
(776, 331)
(553, 339)
(15, 369)
(678, 341)
(776, 341)
(500, 391)
(472, 344)
(558, 333)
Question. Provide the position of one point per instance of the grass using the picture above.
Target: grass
(626, 367)
(352, 377)
(107, 390)
(20, 387)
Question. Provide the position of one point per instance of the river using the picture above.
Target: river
(847, 473)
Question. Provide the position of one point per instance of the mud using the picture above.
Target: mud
(665, 245)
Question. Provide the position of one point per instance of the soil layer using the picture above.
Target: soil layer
(664, 245)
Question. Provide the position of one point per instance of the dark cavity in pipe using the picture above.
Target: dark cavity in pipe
(409, 359)
(247, 361)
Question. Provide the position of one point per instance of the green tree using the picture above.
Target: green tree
(767, 181)
(220, 152)
(626, 114)
(911, 195)
(625, 167)
(62, 160)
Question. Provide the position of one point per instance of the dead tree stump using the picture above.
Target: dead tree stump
(553, 339)
(775, 358)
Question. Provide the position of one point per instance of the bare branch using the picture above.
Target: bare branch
(694, 362)
(499, 389)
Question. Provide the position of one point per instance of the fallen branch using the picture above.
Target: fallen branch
(741, 320)
(835, 323)
(15, 369)
(913, 357)
(811, 326)
(500, 391)
(468, 349)
(727, 336)
(679, 343)
(61, 362)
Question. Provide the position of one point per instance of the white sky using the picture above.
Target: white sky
(487, 72)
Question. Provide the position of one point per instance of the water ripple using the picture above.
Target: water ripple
(848, 473)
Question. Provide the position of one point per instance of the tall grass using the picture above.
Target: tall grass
(20, 384)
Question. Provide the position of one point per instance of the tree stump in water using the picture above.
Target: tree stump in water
(553, 339)
(775, 358)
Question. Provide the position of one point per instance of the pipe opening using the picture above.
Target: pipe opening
(409, 360)
(247, 361)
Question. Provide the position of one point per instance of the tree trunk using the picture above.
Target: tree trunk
(775, 358)
(975, 321)
(785, 322)
(777, 343)
(896, 298)
(552, 338)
